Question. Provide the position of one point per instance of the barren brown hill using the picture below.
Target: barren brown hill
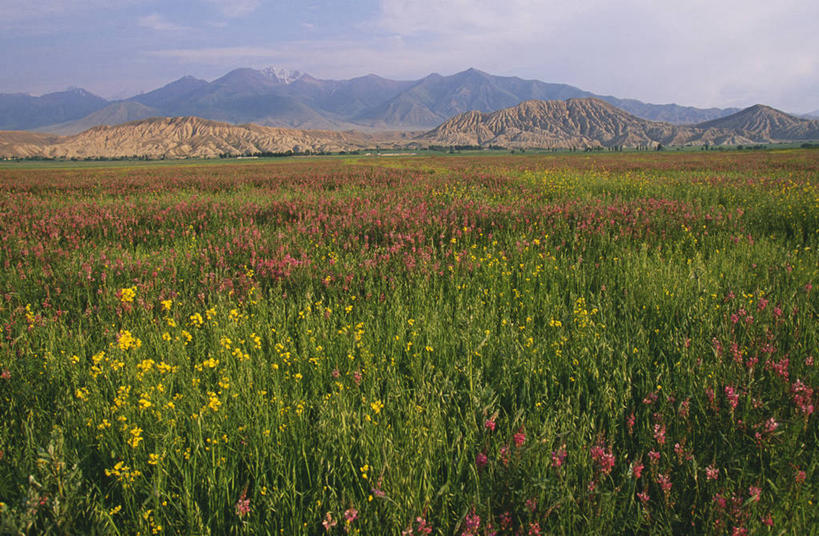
(182, 137)
(763, 124)
(22, 143)
(579, 123)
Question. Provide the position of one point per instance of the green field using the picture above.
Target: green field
(503, 344)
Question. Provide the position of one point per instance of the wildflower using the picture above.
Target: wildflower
(558, 456)
(423, 527)
(481, 460)
(531, 504)
(659, 433)
(377, 406)
(489, 424)
(768, 521)
(711, 473)
(771, 425)
(166, 305)
(803, 397)
(328, 522)
(350, 515)
(604, 458)
(126, 341)
(643, 496)
(136, 437)
(637, 469)
(127, 295)
(754, 493)
(800, 476)
(6, 374)
(243, 505)
(664, 481)
(472, 522)
(519, 438)
(630, 423)
(732, 396)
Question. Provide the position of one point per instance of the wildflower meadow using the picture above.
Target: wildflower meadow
(472, 345)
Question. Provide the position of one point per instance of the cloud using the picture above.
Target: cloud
(235, 8)
(158, 23)
(695, 52)
(28, 9)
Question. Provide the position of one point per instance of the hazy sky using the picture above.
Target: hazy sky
(695, 52)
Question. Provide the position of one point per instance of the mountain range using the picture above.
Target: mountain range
(277, 97)
(573, 123)
(590, 122)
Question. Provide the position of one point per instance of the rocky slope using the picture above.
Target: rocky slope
(590, 122)
(764, 124)
(182, 137)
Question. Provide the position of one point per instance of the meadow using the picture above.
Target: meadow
(527, 344)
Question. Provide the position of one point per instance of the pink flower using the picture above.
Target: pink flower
(472, 522)
(489, 424)
(771, 425)
(350, 515)
(768, 520)
(481, 460)
(754, 493)
(423, 527)
(711, 473)
(328, 522)
(803, 397)
(800, 476)
(604, 458)
(664, 482)
(519, 438)
(6, 374)
(630, 423)
(659, 433)
(558, 457)
(653, 456)
(643, 496)
(531, 504)
(243, 505)
(504, 454)
(637, 470)
(732, 396)
(534, 529)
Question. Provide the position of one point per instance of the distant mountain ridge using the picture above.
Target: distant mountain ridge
(591, 122)
(573, 123)
(279, 97)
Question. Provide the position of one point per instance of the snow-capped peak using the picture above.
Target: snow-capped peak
(280, 74)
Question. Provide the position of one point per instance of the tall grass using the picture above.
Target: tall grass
(556, 345)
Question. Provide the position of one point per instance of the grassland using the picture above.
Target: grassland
(537, 344)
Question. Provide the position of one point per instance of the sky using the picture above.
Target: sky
(726, 53)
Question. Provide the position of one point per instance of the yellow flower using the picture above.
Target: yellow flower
(166, 305)
(136, 437)
(196, 320)
(127, 294)
(126, 341)
(213, 401)
(377, 406)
